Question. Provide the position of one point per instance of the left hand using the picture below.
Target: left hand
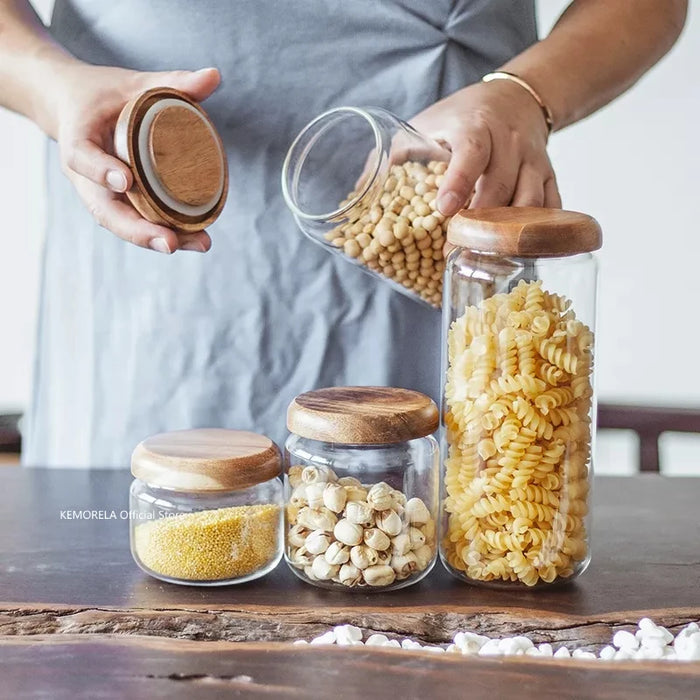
(498, 138)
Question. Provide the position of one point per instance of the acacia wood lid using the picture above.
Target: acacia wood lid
(362, 415)
(176, 157)
(528, 232)
(211, 459)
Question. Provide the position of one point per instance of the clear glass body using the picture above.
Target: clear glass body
(361, 517)
(363, 183)
(204, 538)
(519, 417)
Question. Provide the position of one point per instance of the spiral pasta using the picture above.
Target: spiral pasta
(518, 403)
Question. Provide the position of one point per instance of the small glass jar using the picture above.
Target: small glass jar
(361, 487)
(518, 395)
(206, 506)
(363, 183)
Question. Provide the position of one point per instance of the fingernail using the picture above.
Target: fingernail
(204, 70)
(116, 180)
(159, 244)
(448, 203)
(194, 246)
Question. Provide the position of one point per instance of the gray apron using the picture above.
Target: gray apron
(131, 342)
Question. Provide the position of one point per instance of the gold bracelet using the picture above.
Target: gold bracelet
(504, 75)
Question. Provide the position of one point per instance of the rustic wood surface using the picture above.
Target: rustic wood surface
(140, 667)
(68, 586)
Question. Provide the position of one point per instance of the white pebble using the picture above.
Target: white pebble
(325, 638)
(410, 644)
(347, 635)
(623, 654)
(607, 653)
(376, 640)
(470, 643)
(649, 641)
(688, 648)
(625, 640)
(491, 648)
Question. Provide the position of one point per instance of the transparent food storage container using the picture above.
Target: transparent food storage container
(206, 506)
(361, 487)
(518, 395)
(363, 183)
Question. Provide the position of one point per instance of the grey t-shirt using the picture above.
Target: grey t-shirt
(132, 342)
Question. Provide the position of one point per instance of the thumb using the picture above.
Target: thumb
(195, 84)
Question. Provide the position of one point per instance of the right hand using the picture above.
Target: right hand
(85, 102)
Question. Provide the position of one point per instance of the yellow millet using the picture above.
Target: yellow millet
(210, 545)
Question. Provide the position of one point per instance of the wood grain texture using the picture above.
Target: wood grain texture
(113, 667)
(79, 619)
(141, 195)
(362, 415)
(209, 459)
(185, 156)
(525, 231)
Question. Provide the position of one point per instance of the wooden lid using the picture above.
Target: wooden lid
(210, 459)
(177, 159)
(362, 415)
(527, 232)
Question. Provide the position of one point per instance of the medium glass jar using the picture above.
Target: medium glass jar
(206, 506)
(518, 395)
(361, 487)
(363, 183)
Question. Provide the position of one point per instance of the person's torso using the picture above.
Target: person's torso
(132, 342)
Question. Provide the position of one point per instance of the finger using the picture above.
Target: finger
(470, 157)
(529, 192)
(496, 186)
(198, 242)
(87, 159)
(552, 198)
(123, 220)
(196, 84)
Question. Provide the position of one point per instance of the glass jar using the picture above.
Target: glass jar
(518, 395)
(363, 183)
(206, 506)
(361, 487)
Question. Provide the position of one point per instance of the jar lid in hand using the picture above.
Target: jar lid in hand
(176, 157)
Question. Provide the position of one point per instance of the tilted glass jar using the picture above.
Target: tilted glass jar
(363, 183)
(361, 487)
(206, 506)
(518, 395)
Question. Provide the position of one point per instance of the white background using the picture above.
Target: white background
(634, 166)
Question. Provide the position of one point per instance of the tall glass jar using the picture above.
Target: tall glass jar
(518, 395)
(363, 183)
(361, 487)
(206, 506)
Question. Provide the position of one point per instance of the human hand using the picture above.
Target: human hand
(84, 104)
(498, 138)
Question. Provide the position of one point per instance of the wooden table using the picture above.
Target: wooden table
(78, 618)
